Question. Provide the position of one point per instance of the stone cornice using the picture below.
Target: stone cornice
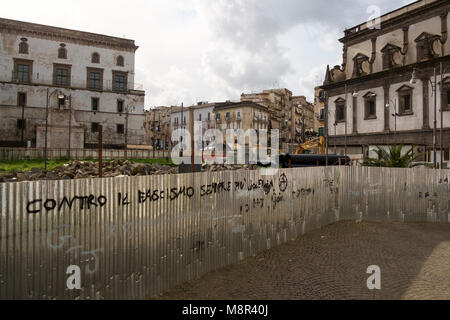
(405, 19)
(389, 73)
(66, 35)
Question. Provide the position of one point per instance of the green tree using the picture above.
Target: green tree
(392, 158)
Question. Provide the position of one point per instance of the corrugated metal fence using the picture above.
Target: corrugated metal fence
(136, 237)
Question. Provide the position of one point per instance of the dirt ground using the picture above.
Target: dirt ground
(332, 263)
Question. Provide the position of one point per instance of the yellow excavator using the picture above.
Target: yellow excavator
(315, 143)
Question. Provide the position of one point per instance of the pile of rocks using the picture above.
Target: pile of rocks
(227, 167)
(116, 168)
(87, 169)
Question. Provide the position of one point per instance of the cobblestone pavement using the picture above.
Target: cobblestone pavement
(331, 263)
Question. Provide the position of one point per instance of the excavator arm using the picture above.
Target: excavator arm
(316, 143)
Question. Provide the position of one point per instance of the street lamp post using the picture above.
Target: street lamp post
(128, 109)
(70, 124)
(23, 123)
(49, 95)
(395, 115)
(433, 88)
(345, 114)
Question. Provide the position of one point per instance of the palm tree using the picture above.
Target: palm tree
(392, 158)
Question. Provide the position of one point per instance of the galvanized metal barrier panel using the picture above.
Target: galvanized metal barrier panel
(135, 237)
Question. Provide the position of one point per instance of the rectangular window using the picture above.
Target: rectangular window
(95, 104)
(340, 112)
(407, 102)
(405, 94)
(119, 106)
(21, 99)
(200, 117)
(61, 77)
(119, 81)
(120, 128)
(321, 132)
(94, 127)
(20, 124)
(23, 73)
(370, 109)
(61, 74)
(95, 78)
(23, 70)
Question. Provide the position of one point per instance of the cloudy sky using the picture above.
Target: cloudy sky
(214, 50)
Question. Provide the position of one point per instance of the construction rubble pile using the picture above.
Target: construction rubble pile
(116, 168)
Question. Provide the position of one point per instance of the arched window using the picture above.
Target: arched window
(120, 61)
(62, 51)
(23, 46)
(95, 58)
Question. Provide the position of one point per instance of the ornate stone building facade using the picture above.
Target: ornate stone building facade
(385, 91)
(85, 79)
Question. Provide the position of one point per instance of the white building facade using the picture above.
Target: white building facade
(371, 99)
(87, 79)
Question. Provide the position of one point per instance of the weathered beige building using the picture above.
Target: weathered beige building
(288, 113)
(303, 115)
(319, 112)
(85, 79)
(158, 127)
(385, 91)
(241, 115)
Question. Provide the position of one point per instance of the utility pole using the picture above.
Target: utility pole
(154, 132)
(303, 127)
(100, 151)
(324, 96)
(22, 102)
(126, 134)
(70, 123)
(345, 114)
(435, 122)
(46, 131)
(182, 127)
(159, 129)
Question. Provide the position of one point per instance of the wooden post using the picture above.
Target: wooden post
(100, 151)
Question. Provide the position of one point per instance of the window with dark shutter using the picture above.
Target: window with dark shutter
(95, 103)
(22, 99)
(119, 106)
